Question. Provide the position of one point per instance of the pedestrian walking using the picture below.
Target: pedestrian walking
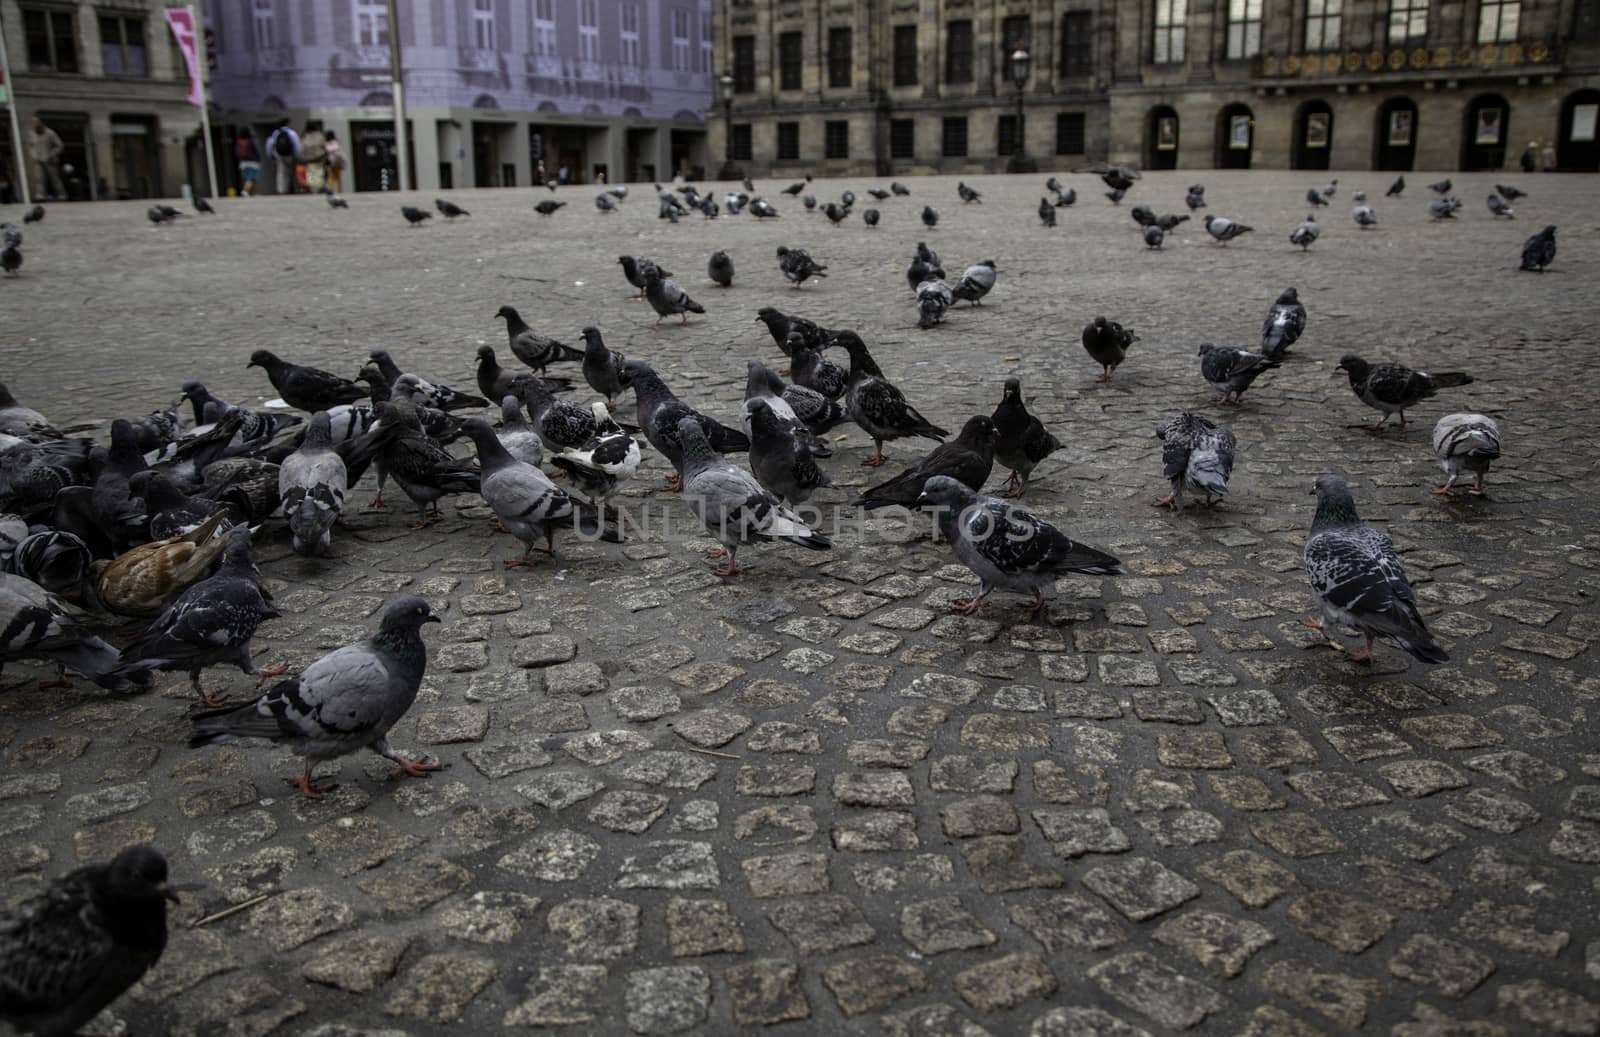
(284, 147)
(336, 161)
(314, 156)
(248, 156)
(46, 148)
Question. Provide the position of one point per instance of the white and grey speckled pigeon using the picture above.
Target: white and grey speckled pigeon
(1008, 548)
(1465, 442)
(1196, 454)
(732, 504)
(74, 947)
(976, 282)
(312, 482)
(1498, 207)
(527, 503)
(421, 391)
(877, 405)
(346, 700)
(1365, 218)
(1357, 579)
(608, 459)
(934, 297)
(1286, 319)
(35, 624)
(1305, 234)
(1230, 370)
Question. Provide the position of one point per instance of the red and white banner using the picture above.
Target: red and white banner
(181, 21)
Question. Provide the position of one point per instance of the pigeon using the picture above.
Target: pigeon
(312, 484)
(781, 457)
(605, 461)
(450, 209)
(930, 216)
(1443, 208)
(415, 216)
(1358, 196)
(1365, 218)
(619, 192)
(1143, 215)
(424, 470)
(870, 217)
(201, 205)
(810, 202)
(1107, 343)
(533, 349)
(1465, 442)
(602, 367)
(161, 215)
(1066, 198)
(761, 209)
(797, 265)
(762, 384)
(36, 214)
(1498, 207)
(496, 383)
(1395, 188)
(921, 270)
(720, 269)
(1392, 388)
(734, 203)
(976, 282)
(659, 414)
(558, 424)
(817, 412)
(335, 202)
(546, 207)
(1196, 198)
(347, 699)
(876, 405)
(1331, 189)
(439, 397)
(781, 326)
(934, 297)
(1358, 581)
(666, 298)
(967, 194)
(968, 458)
(1313, 198)
(796, 188)
(1505, 191)
(1118, 178)
(1154, 236)
(1053, 184)
(1196, 454)
(306, 388)
(1539, 251)
(1047, 213)
(634, 267)
(604, 203)
(928, 256)
(172, 512)
(1306, 233)
(1170, 221)
(709, 209)
(142, 580)
(1286, 319)
(1230, 370)
(1442, 187)
(898, 188)
(38, 624)
(848, 199)
(1006, 547)
(527, 503)
(210, 624)
(812, 369)
(11, 260)
(516, 435)
(878, 193)
(732, 504)
(1023, 440)
(836, 214)
(56, 560)
(1225, 230)
(71, 949)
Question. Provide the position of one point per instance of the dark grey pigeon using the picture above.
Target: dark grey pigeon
(781, 456)
(602, 367)
(1286, 319)
(604, 203)
(968, 458)
(1314, 199)
(435, 395)
(74, 947)
(967, 194)
(36, 624)
(1154, 236)
(660, 413)
(1107, 343)
(496, 383)
(634, 268)
(1509, 193)
(870, 217)
(424, 470)
(930, 216)
(782, 325)
(762, 384)
(1394, 388)
(1443, 208)
(1539, 251)
(527, 503)
(812, 369)
(311, 483)
(1441, 187)
(306, 388)
(414, 215)
(533, 349)
(1023, 440)
(35, 214)
(1196, 454)
(345, 701)
(817, 411)
(876, 405)
(898, 188)
(797, 265)
(720, 269)
(666, 298)
(1230, 370)
(1196, 198)
(1358, 581)
(1047, 213)
(450, 209)
(1498, 207)
(1395, 188)
(559, 424)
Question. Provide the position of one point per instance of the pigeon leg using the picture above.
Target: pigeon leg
(417, 768)
(685, 318)
(59, 681)
(1479, 489)
(205, 700)
(716, 552)
(305, 784)
(731, 568)
(550, 541)
(1012, 481)
(1316, 624)
(377, 502)
(1015, 489)
(522, 560)
(261, 677)
(1402, 419)
(967, 606)
(876, 459)
(1363, 656)
(1107, 376)
(656, 325)
(1445, 490)
(1035, 607)
(674, 484)
(1169, 501)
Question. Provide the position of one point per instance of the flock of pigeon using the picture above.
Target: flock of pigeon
(155, 525)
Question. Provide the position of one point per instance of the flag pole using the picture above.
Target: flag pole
(200, 72)
(20, 176)
(402, 143)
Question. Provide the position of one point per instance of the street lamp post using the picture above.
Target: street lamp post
(729, 172)
(1021, 61)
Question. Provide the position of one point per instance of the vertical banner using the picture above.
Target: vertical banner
(181, 21)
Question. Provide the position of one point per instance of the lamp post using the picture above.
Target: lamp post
(729, 172)
(1021, 61)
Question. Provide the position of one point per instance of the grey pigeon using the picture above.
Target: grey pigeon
(71, 949)
(496, 383)
(35, 214)
(1395, 188)
(1067, 198)
(517, 436)
(414, 215)
(437, 396)
(1143, 215)
(604, 461)
(762, 209)
(870, 217)
(899, 189)
(1230, 370)
(1358, 581)
(1498, 207)
(968, 458)
(1365, 218)
(1195, 198)
(1107, 343)
(1331, 189)
(797, 265)
(602, 366)
(1443, 208)
(660, 413)
(812, 369)
(1539, 251)
(762, 384)
(1154, 236)
(782, 325)
(528, 504)
(1286, 319)
(666, 298)
(346, 700)
(306, 388)
(604, 203)
(1305, 234)
(1442, 187)
(634, 269)
(1047, 213)
(732, 504)
(1465, 442)
(1509, 193)
(533, 349)
(1394, 388)
(424, 470)
(836, 214)
(210, 624)
(967, 194)
(781, 457)
(450, 210)
(559, 424)
(1314, 199)
(312, 484)
(1169, 221)
(36, 624)
(976, 282)
(11, 259)
(720, 269)
(876, 405)
(335, 202)
(1197, 455)
(934, 297)
(1006, 547)
(1023, 440)
(1225, 230)
(817, 411)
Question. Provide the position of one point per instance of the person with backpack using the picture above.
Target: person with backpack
(335, 162)
(284, 145)
(249, 159)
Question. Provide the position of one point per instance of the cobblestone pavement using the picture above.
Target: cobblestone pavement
(808, 798)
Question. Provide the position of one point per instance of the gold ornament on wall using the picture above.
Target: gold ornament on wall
(1397, 59)
(1419, 58)
(1465, 56)
(1512, 54)
(1538, 52)
(1331, 62)
(1269, 65)
(1352, 61)
(1489, 55)
(1441, 57)
(1291, 64)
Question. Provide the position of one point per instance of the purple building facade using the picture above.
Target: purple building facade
(493, 88)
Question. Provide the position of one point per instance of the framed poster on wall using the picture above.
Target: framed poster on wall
(1167, 133)
(1583, 122)
(1400, 128)
(1317, 130)
(1488, 131)
(1239, 133)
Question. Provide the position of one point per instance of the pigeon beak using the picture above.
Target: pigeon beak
(168, 893)
(433, 619)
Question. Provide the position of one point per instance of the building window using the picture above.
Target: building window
(589, 34)
(1015, 32)
(955, 137)
(1172, 18)
(1006, 131)
(52, 40)
(372, 22)
(791, 61)
(704, 57)
(680, 39)
(122, 46)
(902, 138)
(905, 55)
(1244, 29)
(788, 141)
(1497, 20)
(840, 59)
(1408, 22)
(483, 24)
(544, 28)
(744, 64)
(261, 12)
(1323, 23)
(1069, 133)
(739, 148)
(1077, 46)
(958, 52)
(629, 36)
(836, 139)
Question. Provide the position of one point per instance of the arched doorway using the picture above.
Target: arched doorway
(1313, 136)
(1395, 136)
(1161, 138)
(1485, 133)
(1577, 150)
(1235, 137)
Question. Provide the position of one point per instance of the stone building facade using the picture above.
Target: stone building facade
(909, 86)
